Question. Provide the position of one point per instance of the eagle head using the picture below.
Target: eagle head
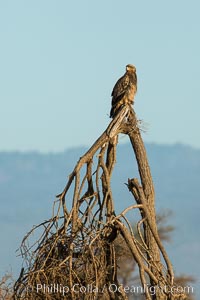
(130, 68)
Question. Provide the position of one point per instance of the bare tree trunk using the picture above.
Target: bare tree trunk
(153, 252)
(77, 245)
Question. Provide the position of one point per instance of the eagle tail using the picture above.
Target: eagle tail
(112, 112)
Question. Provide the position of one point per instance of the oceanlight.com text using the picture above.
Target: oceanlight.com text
(113, 288)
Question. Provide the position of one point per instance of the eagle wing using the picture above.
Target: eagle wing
(120, 89)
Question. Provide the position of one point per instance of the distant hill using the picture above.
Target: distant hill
(29, 182)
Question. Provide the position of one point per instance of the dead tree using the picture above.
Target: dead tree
(74, 254)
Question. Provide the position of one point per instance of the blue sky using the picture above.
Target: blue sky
(60, 59)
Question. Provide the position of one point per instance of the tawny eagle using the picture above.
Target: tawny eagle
(124, 90)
